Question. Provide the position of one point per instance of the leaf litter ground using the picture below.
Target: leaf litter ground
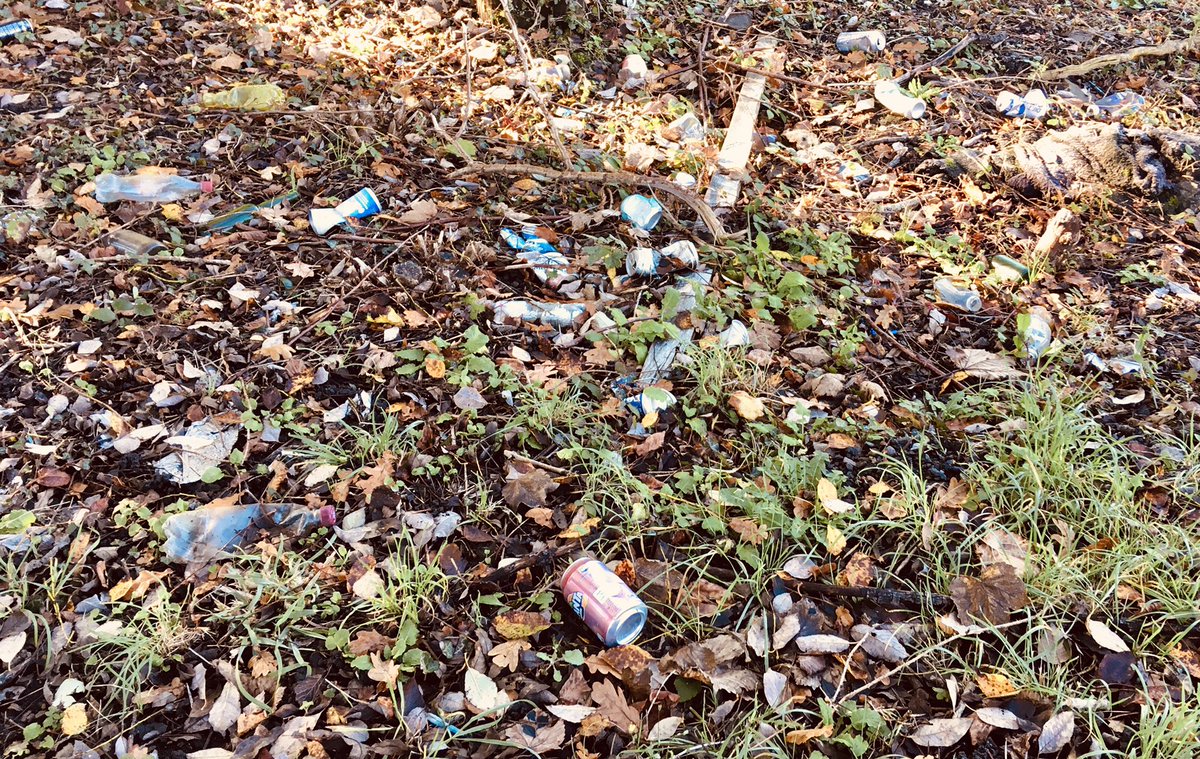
(874, 528)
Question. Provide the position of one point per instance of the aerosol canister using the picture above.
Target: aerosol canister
(603, 601)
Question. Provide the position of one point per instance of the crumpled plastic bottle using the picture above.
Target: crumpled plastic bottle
(202, 535)
(245, 97)
(147, 188)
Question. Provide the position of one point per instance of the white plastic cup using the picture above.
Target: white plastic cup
(868, 41)
(896, 100)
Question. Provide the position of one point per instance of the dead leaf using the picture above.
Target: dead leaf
(507, 655)
(516, 625)
(748, 530)
(835, 540)
(804, 735)
(992, 597)
(74, 719)
(941, 733)
(225, 709)
(827, 495)
(49, 477)
(613, 706)
(469, 399)
(859, 572)
(435, 367)
(996, 685)
(368, 642)
(652, 443)
(1105, 637)
(529, 489)
(747, 406)
(822, 644)
(997, 717)
(983, 364)
(537, 741)
(377, 476)
(135, 588)
(420, 212)
(482, 693)
(665, 728)
(999, 546)
(1056, 733)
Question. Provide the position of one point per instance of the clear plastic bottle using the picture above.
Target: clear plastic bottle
(147, 188)
(202, 535)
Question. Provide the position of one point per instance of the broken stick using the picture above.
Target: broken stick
(619, 178)
(1172, 47)
(941, 59)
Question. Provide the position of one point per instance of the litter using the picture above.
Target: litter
(633, 72)
(1037, 334)
(603, 601)
(854, 172)
(360, 205)
(550, 266)
(962, 298)
(642, 212)
(561, 315)
(133, 243)
(244, 213)
(896, 100)
(867, 41)
(203, 446)
(246, 97)
(1119, 104)
(682, 252)
(204, 534)
(147, 188)
(734, 336)
(642, 262)
(661, 357)
(1033, 106)
(10, 30)
(686, 128)
(1011, 264)
(684, 180)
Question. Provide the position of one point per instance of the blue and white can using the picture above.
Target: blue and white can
(360, 205)
(642, 212)
(855, 172)
(1033, 106)
(12, 29)
(642, 262)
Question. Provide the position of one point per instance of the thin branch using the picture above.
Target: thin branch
(1172, 47)
(941, 59)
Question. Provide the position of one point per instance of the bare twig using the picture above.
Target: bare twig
(620, 178)
(1172, 47)
(531, 86)
(883, 596)
(943, 58)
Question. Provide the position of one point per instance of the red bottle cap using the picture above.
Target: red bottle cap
(206, 185)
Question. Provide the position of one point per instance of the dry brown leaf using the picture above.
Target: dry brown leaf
(747, 406)
(529, 489)
(420, 212)
(1056, 733)
(941, 733)
(992, 597)
(996, 685)
(652, 443)
(613, 706)
(859, 571)
(516, 625)
(507, 655)
(983, 364)
(1105, 637)
(135, 588)
(368, 642)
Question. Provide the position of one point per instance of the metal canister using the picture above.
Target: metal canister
(641, 211)
(12, 29)
(603, 601)
(868, 41)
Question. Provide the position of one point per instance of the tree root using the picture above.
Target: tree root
(1172, 47)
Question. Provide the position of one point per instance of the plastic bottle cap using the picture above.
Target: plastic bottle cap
(206, 185)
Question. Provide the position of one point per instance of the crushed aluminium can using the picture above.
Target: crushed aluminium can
(12, 29)
(641, 211)
(603, 601)
(682, 252)
(1034, 105)
(868, 41)
(549, 265)
(642, 262)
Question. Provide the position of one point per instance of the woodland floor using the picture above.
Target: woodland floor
(852, 542)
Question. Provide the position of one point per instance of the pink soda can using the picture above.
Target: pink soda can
(603, 601)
